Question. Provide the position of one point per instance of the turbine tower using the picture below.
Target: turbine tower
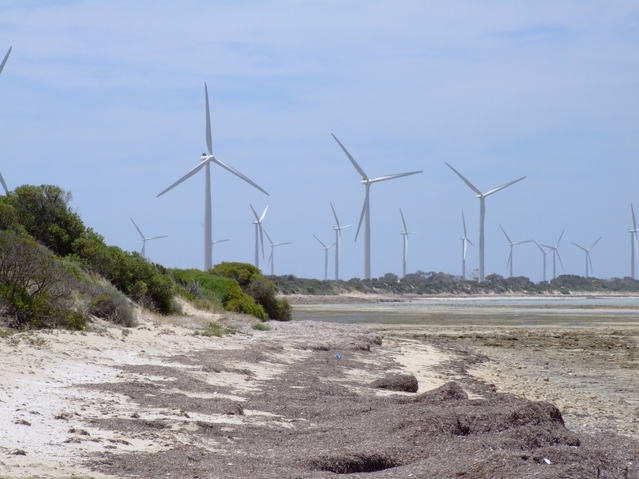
(634, 240)
(464, 240)
(588, 260)
(259, 236)
(205, 162)
(6, 57)
(482, 213)
(145, 239)
(326, 248)
(338, 241)
(405, 234)
(271, 258)
(511, 244)
(544, 253)
(555, 253)
(366, 211)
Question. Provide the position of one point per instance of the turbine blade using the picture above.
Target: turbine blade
(542, 250)
(562, 233)
(522, 242)
(209, 142)
(269, 238)
(392, 177)
(201, 165)
(361, 216)
(357, 167)
(136, 227)
(464, 222)
(4, 185)
(470, 242)
(219, 241)
(270, 258)
(403, 221)
(6, 57)
(282, 244)
(581, 247)
(331, 246)
(510, 242)
(510, 257)
(470, 185)
(634, 221)
(257, 218)
(590, 261)
(335, 215)
(238, 174)
(593, 245)
(549, 247)
(499, 188)
(157, 237)
(263, 214)
(320, 241)
(560, 262)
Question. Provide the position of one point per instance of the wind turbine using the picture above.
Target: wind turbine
(259, 236)
(6, 57)
(205, 162)
(271, 258)
(366, 211)
(588, 260)
(464, 240)
(214, 242)
(145, 239)
(511, 244)
(405, 234)
(543, 252)
(338, 241)
(482, 213)
(555, 253)
(633, 243)
(326, 248)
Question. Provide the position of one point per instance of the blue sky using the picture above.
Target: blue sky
(106, 99)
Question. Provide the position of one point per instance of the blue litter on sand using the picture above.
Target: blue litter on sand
(338, 356)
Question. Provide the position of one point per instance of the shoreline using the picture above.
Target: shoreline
(348, 298)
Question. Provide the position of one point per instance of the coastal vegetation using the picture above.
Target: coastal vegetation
(56, 272)
(433, 283)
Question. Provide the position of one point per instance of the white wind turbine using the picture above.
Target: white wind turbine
(259, 236)
(588, 260)
(214, 242)
(271, 258)
(326, 248)
(465, 242)
(544, 253)
(6, 57)
(405, 234)
(338, 241)
(366, 211)
(511, 244)
(205, 162)
(634, 240)
(555, 253)
(482, 213)
(145, 239)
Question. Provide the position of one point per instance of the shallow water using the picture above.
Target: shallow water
(489, 311)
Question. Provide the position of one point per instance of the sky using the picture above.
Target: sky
(106, 100)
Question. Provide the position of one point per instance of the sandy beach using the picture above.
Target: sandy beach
(315, 399)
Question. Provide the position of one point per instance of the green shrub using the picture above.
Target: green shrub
(35, 286)
(261, 327)
(262, 290)
(223, 289)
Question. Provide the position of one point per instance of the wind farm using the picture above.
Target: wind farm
(350, 332)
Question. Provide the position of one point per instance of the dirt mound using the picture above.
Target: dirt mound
(397, 382)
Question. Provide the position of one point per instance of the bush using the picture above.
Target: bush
(35, 286)
(218, 288)
(104, 301)
(262, 290)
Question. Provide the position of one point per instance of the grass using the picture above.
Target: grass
(214, 329)
(261, 327)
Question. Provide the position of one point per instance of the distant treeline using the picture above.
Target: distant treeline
(441, 283)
